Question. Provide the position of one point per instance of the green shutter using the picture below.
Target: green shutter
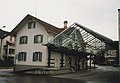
(29, 25)
(40, 56)
(41, 38)
(34, 39)
(26, 39)
(19, 57)
(24, 56)
(34, 24)
(33, 56)
(20, 40)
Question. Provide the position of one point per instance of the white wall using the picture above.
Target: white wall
(57, 57)
(4, 43)
(30, 47)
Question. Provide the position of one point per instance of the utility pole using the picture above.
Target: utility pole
(36, 8)
(119, 34)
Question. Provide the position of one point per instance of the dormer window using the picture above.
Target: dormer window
(31, 25)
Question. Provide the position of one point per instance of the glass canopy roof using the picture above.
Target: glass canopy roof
(80, 38)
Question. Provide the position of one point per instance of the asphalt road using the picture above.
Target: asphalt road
(104, 74)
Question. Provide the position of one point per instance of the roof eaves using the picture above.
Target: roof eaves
(48, 27)
(3, 33)
(24, 20)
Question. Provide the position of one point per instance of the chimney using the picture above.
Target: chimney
(65, 24)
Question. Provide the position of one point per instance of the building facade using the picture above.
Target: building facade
(42, 48)
(7, 45)
(32, 53)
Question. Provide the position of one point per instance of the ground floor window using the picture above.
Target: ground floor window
(37, 56)
(22, 56)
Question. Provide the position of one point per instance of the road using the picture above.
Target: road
(103, 74)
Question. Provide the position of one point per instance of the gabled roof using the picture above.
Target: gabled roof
(48, 27)
(3, 34)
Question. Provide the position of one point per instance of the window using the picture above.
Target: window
(38, 39)
(37, 56)
(11, 51)
(22, 56)
(23, 40)
(31, 24)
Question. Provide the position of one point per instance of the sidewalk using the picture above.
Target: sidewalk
(6, 72)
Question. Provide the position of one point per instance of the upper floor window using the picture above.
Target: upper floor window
(23, 39)
(37, 56)
(31, 25)
(22, 56)
(11, 51)
(38, 39)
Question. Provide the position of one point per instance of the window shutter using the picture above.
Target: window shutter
(26, 39)
(20, 40)
(40, 56)
(19, 57)
(41, 38)
(34, 24)
(34, 39)
(33, 56)
(24, 57)
(29, 25)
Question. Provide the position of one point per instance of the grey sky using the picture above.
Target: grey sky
(98, 15)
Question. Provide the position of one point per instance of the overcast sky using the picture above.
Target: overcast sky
(98, 15)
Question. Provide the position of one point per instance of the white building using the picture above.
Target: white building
(7, 45)
(32, 36)
(44, 48)
(111, 57)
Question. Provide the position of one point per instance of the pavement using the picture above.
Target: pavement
(6, 72)
(103, 74)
